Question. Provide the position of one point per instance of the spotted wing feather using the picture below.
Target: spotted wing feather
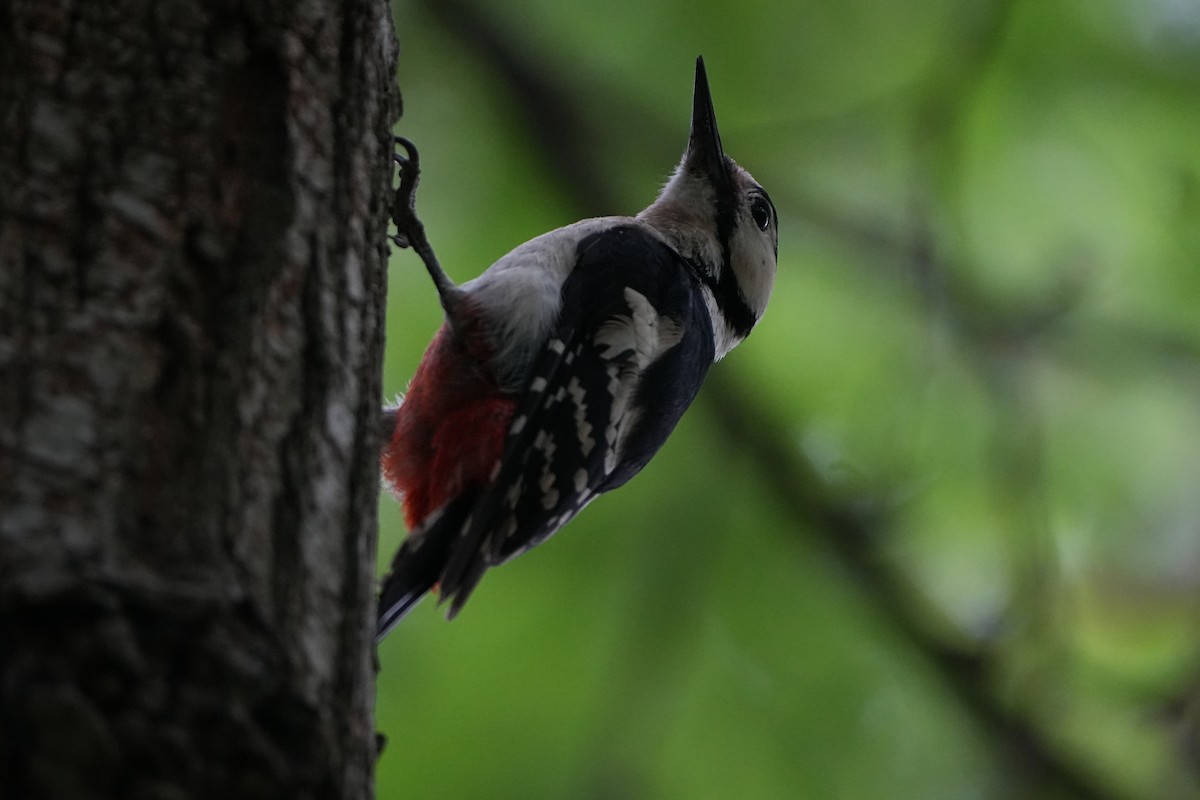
(602, 398)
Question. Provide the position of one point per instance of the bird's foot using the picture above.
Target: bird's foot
(409, 230)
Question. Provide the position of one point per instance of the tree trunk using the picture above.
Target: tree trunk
(192, 251)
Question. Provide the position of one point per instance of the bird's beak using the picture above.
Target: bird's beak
(704, 153)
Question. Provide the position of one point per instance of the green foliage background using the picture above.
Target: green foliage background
(933, 531)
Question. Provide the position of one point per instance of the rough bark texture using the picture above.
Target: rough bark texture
(191, 286)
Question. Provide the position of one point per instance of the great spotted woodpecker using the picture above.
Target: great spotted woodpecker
(561, 370)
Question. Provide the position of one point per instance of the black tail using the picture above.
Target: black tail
(419, 563)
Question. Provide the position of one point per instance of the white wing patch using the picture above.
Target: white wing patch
(545, 443)
(582, 427)
(630, 344)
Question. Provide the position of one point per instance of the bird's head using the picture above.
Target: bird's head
(719, 218)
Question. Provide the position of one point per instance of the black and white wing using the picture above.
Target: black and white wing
(626, 359)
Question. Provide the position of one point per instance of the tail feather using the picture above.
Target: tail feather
(419, 563)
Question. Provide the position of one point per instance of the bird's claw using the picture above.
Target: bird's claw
(409, 230)
(404, 213)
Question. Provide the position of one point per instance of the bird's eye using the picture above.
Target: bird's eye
(760, 210)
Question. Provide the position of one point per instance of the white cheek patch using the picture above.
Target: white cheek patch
(753, 258)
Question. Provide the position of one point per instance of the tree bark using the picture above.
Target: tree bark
(192, 252)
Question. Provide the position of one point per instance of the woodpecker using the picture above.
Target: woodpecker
(561, 370)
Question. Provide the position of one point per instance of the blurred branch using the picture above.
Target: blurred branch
(854, 528)
(850, 526)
